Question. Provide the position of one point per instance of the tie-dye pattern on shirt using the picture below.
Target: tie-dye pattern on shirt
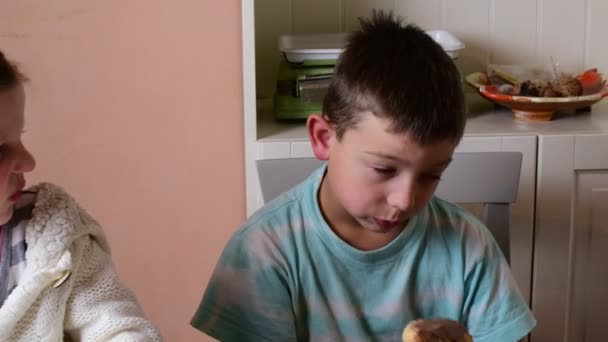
(285, 276)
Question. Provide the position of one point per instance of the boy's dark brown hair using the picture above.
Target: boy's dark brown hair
(400, 73)
(9, 74)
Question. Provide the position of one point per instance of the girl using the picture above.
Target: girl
(57, 281)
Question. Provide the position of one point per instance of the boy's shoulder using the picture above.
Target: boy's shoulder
(452, 211)
(270, 237)
(290, 208)
(278, 226)
(448, 217)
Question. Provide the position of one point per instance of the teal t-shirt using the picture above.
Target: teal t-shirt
(285, 276)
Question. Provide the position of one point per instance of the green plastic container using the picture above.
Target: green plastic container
(301, 89)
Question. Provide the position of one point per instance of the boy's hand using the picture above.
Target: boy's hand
(435, 330)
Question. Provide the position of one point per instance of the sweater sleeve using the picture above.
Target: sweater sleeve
(100, 308)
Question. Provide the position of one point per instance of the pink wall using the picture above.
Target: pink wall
(136, 108)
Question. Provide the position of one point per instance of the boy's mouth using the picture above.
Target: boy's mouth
(385, 224)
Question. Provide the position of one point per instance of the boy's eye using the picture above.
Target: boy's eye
(383, 170)
(432, 177)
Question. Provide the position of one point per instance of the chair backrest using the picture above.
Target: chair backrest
(490, 178)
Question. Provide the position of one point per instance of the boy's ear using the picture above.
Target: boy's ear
(321, 134)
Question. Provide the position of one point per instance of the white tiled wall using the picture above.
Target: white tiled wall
(514, 31)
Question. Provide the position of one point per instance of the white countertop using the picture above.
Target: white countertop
(485, 120)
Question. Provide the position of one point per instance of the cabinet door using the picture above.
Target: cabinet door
(570, 289)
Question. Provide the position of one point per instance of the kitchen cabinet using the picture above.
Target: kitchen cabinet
(570, 289)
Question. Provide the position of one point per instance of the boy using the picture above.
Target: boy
(362, 247)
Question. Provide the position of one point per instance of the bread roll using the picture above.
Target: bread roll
(435, 330)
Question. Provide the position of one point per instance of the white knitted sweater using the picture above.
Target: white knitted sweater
(69, 288)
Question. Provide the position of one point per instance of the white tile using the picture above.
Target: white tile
(597, 49)
(353, 9)
(424, 13)
(274, 150)
(562, 33)
(301, 149)
(272, 18)
(513, 31)
(469, 21)
(317, 16)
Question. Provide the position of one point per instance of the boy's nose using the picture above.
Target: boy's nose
(24, 161)
(404, 198)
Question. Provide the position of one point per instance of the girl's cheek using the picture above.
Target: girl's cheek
(3, 173)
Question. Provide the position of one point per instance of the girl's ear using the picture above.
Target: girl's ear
(321, 134)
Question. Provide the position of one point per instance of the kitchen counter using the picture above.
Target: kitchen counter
(485, 119)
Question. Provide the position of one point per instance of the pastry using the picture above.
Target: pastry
(435, 330)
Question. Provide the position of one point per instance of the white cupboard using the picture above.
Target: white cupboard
(570, 289)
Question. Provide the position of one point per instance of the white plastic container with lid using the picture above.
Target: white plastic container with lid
(300, 48)
(450, 44)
